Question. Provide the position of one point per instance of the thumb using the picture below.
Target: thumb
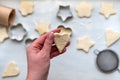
(48, 43)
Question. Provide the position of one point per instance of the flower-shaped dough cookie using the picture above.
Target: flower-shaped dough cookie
(85, 43)
(3, 34)
(84, 9)
(107, 10)
(42, 27)
(26, 7)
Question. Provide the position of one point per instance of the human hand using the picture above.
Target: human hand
(39, 54)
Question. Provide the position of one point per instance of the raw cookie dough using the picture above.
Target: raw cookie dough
(107, 10)
(26, 7)
(61, 40)
(65, 30)
(3, 34)
(11, 70)
(42, 27)
(84, 9)
(85, 43)
(111, 37)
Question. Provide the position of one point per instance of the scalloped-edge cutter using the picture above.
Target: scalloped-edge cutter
(17, 32)
(64, 12)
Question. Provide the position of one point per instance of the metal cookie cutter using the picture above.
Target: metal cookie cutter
(64, 13)
(107, 60)
(65, 30)
(28, 41)
(17, 32)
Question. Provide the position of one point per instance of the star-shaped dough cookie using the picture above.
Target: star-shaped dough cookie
(112, 37)
(11, 70)
(42, 27)
(107, 10)
(84, 9)
(85, 43)
(26, 7)
(3, 34)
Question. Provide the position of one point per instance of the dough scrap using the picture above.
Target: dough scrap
(107, 10)
(65, 30)
(84, 9)
(111, 37)
(11, 70)
(61, 40)
(26, 7)
(42, 27)
(85, 43)
(3, 34)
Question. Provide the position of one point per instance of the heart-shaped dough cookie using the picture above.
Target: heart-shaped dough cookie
(11, 70)
(65, 30)
(61, 40)
(112, 37)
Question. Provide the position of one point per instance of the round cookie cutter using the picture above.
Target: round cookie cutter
(107, 60)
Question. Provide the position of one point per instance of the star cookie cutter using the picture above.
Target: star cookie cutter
(64, 13)
(17, 32)
(28, 41)
(65, 30)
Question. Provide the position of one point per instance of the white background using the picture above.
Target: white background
(74, 64)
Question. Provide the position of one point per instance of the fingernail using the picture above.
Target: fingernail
(51, 36)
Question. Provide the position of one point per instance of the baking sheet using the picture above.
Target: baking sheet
(74, 64)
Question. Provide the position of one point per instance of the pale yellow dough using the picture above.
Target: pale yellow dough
(3, 34)
(26, 7)
(11, 70)
(65, 30)
(111, 37)
(84, 43)
(42, 27)
(107, 9)
(61, 40)
(84, 9)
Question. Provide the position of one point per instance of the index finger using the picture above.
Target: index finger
(42, 38)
